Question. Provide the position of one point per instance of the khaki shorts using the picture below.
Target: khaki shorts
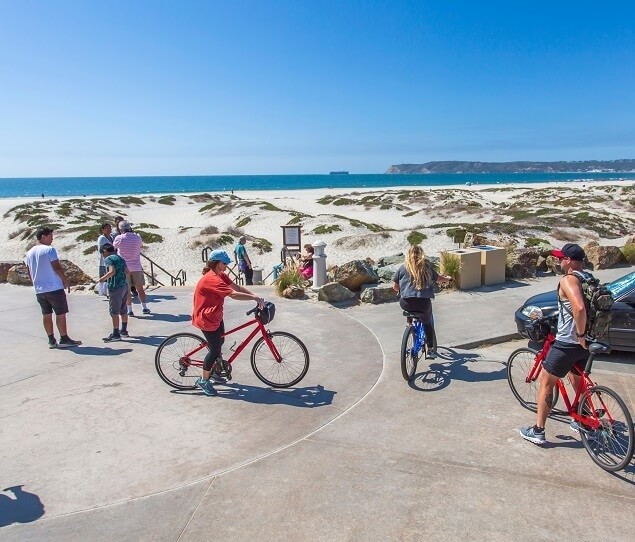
(136, 279)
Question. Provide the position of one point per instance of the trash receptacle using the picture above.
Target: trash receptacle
(470, 274)
(257, 279)
(493, 261)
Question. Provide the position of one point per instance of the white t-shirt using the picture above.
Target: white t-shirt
(38, 260)
(101, 241)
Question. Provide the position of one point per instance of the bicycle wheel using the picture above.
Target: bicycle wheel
(286, 372)
(174, 358)
(611, 444)
(409, 359)
(519, 366)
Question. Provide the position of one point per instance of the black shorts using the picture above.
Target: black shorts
(563, 356)
(53, 301)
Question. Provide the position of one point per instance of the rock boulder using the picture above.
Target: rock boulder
(293, 292)
(4, 269)
(334, 292)
(383, 293)
(396, 259)
(603, 257)
(522, 264)
(19, 274)
(353, 274)
(386, 272)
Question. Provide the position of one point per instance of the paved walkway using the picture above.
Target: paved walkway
(105, 450)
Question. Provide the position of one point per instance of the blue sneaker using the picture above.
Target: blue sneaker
(530, 434)
(206, 386)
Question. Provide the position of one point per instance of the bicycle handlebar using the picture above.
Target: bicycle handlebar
(255, 309)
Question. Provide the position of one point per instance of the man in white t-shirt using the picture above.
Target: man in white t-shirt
(49, 282)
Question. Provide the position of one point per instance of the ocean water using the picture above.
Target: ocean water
(103, 186)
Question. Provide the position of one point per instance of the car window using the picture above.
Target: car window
(622, 286)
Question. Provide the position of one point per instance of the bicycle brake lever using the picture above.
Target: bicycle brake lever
(232, 347)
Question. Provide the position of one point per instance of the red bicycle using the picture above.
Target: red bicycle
(278, 359)
(604, 422)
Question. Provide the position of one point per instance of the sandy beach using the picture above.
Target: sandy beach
(354, 223)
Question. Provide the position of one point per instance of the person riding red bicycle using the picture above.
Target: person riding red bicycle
(207, 313)
(570, 346)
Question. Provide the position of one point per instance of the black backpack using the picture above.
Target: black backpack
(597, 301)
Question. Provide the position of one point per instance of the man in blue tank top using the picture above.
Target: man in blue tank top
(570, 345)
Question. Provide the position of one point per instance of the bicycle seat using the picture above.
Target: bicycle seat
(411, 314)
(596, 348)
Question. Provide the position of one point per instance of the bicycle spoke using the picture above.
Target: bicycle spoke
(179, 360)
(610, 445)
(293, 364)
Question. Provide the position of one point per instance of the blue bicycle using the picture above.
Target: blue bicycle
(413, 345)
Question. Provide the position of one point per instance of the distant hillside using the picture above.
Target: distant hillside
(583, 166)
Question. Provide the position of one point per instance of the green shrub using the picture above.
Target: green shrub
(415, 237)
(89, 250)
(269, 206)
(209, 230)
(209, 206)
(450, 265)
(132, 200)
(262, 244)
(321, 230)
(457, 234)
(146, 226)
(149, 237)
(21, 231)
(166, 200)
(243, 222)
(411, 213)
(534, 242)
(289, 276)
(344, 201)
(629, 253)
(37, 220)
(225, 239)
(90, 235)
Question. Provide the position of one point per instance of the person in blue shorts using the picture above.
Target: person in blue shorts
(243, 261)
(117, 290)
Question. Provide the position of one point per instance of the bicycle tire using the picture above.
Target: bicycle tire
(408, 360)
(610, 445)
(287, 372)
(519, 365)
(169, 354)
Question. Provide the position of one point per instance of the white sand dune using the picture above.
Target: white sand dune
(364, 223)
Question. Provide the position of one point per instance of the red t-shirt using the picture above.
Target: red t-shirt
(209, 297)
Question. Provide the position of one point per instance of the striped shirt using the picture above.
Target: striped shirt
(128, 246)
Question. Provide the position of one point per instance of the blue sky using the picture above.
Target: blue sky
(277, 87)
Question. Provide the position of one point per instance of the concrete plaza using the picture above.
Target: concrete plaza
(104, 450)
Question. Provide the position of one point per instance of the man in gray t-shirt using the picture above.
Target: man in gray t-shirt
(49, 281)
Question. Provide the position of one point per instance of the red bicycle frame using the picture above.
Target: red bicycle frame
(583, 388)
(186, 361)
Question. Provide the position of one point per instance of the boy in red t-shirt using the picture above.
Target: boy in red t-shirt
(207, 313)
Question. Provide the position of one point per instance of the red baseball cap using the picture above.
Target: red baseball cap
(570, 250)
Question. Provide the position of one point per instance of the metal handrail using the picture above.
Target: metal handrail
(178, 279)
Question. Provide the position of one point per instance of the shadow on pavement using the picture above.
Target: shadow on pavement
(167, 317)
(153, 297)
(23, 507)
(151, 340)
(309, 397)
(98, 350)
(450, 365)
